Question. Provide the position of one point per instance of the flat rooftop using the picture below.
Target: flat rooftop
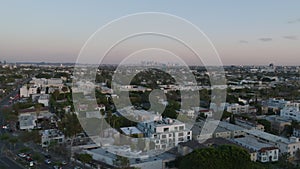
(267, 136)
(252, 143)
(131, 130)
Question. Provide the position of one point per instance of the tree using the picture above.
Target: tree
(70, 126)
(266, 124)
(38, 108)
(64, 89)
(219, 157)
(13, 141)
(4, 137)
(33, 135)
(122, 162)
(55, 94)
(232, 119)
(85, 158)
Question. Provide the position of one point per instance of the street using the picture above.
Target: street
(5, 162)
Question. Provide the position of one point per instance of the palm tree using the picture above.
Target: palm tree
(56, 94)
(38, 108)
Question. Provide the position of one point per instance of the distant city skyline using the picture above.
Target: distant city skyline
(244, 33)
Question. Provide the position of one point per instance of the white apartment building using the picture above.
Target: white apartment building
(44, 99)
(240, 109)
(39, 81)
(165, 133)
(43, 82)
(291, 110)
(27, 91)
(55, 82)
(140, 115)
(275, 104)
(190, 113)
(52, 135)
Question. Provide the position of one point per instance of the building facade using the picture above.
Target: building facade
(165, 133)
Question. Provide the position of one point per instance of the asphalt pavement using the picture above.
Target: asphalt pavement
(6, 162)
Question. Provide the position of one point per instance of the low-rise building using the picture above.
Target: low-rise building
(26, 91)
(27, 121)
(52, 135)
(44, 99)
(249, 125)
(278, 123)
(240, 109)
(291, 111)
(108, 156)
(27, 117)
(273, 105)
(202, 131)
(265, 151)
(132, 131)
(285, 145)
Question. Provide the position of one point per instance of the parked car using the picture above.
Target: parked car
(31, 163)
(23, 155)
(47, 156)
(64, 162)
(47, 161)
(77, 167)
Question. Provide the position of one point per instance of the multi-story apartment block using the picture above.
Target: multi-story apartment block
(165, 133)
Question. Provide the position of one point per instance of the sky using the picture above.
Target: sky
(243, 32)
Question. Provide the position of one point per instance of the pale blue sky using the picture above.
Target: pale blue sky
(244, 32)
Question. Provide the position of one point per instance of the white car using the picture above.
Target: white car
(31, 163)
(48, 161)
(23, 155)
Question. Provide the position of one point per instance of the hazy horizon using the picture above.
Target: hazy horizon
(244, 33)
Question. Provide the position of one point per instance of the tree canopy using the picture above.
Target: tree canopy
(225, 157)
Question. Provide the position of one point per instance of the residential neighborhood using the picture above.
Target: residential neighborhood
(149, 84)
(258, 117)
